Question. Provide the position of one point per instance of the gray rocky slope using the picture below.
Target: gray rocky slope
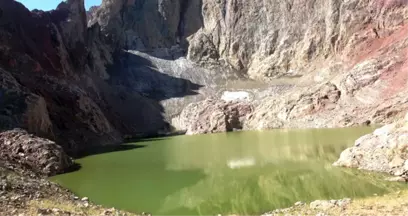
(130, 67)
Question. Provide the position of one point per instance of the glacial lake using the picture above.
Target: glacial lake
(234, 173)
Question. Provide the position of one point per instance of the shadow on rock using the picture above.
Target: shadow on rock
(150, 25)
(74, 167)
(138, 74)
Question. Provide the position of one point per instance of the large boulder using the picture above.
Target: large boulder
(384, 150)
(39, 155)
(295, 108)
(213, 116)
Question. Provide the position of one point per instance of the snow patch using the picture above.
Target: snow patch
(236, 164)
(235, 96)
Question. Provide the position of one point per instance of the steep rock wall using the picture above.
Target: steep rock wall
(351, 57)
(148, 24)
(75, 81)
(269, 39)
(56, 80)
(266, 39)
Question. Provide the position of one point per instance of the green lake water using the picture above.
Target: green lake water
(233, 173)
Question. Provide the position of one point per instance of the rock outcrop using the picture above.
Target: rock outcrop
(295, 109)
(212, 116)
(42, 156)
(384, 150)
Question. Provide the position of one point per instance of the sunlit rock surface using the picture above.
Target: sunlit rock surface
(384, 150)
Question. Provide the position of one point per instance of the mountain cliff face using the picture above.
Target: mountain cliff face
(80, 85)
(146, 25)
(266, 39)
(128, 67)
(270, 39)
(55, 80)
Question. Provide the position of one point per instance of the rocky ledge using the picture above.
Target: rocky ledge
(212, 116)
(41, 156)
(384, 150)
